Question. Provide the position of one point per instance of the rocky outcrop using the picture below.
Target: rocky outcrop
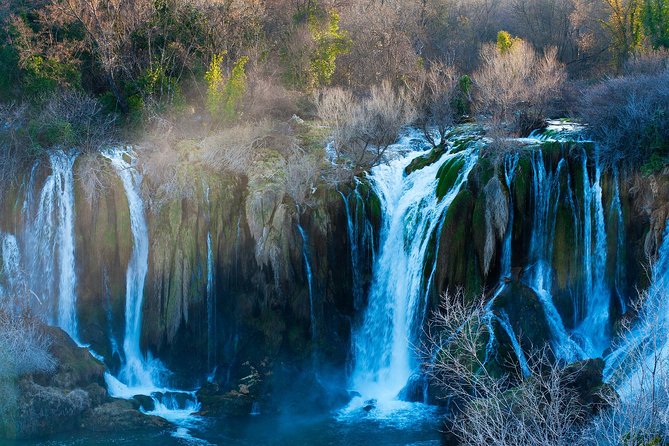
(71, 397)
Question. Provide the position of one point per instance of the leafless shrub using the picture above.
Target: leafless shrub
(302, 172)
(539, 407)
(233, 149)
(454, 338)
(363, 129)
(24, 347)
(268, 98)
(383, 35)
(434, 93)
(649, 62)
(629, 116)
(516, 86)
(92, 175)
(91, 128)
(543, 409)
(169, 174)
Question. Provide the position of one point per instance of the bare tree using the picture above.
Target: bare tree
(434, 93)
(363, 129)
(91, 126)
(109, 26)
(383, 35)
(517, 85)
(539, 407)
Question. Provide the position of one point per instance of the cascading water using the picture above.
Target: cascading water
(647, 343)
(10, 268)
(136, 372)
(594, 327)
(510, 165)
(307, 265)
(212, 346)
(503, 320)
(617, 213)
(211, 307)
(384, 360)
(360, 238)
(142, 374)
(546, 195)
(49, 238)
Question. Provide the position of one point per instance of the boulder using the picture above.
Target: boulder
(70, 397)
(119, 415)
(144, 402)
(42, 411)
(587, 380)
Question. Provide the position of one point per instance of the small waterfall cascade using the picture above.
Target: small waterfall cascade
(616, 212)
(361, 239)
(10, 270)
(211, 306)
(505, 323)
(546, 195)
(141, 374)
(212, 346)
(306, 257)
(647, 342)
(49, 240)
(510, 165)
(136, 372)
(411, 212)
(594, 327)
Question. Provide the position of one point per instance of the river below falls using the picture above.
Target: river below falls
(327, 430)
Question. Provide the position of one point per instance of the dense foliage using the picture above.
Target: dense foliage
(192, 67)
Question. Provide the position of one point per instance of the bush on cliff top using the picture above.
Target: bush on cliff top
(629, 116)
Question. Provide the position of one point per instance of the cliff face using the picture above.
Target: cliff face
(227, 275)
(241, 276)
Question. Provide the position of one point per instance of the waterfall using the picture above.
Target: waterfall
(617, 212)
(546, 196)
(136, 372)
(594, 327)
(211, 306)
(307, 265)
(647, 342)
(49, 240)
(411, 212)
(503, 320)
(360, 236)
(212, 346)
(142, 374)
(510, 165)
(10, 270)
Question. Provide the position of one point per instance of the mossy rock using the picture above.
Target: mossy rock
(463, 144)
(526, 315)
(425, 160)
(458, 265)
(448, 175)
(479, 228)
